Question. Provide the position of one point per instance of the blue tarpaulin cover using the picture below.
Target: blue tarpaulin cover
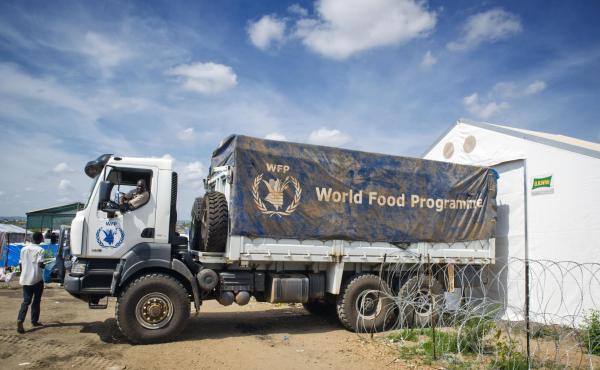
(300, 191)
(11, 253)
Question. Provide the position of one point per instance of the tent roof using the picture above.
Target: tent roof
(7, 228)
(560, 141)
(70, 208)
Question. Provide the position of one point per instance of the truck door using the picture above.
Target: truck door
(112, 235)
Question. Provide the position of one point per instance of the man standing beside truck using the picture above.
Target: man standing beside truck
(32, 269)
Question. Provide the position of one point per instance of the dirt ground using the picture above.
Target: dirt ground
(255, 336)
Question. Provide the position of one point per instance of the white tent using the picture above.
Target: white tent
(11, 234)
(548, 209)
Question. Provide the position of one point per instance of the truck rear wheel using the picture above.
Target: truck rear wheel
(152, 308)
(214, 222)
(422, 300)
(365, 305)
(196, 242)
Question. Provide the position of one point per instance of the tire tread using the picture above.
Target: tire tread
(131, 287)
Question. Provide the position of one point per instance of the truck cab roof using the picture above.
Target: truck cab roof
(94, 167)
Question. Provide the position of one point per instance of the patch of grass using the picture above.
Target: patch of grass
(545, 331)
(408, 353)
(517, 361)
(473, 334)
(590, 332)
(509, 357)
(404, 334)
(444, 343)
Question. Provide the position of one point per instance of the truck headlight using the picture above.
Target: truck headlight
(78, 268)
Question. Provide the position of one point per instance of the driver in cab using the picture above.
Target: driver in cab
(135, 198)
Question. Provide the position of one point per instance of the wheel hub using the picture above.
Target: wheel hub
(423, 302)
(368, 305)
(154, 310)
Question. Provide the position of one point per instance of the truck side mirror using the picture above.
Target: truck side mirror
(103, 193)
(104, 203)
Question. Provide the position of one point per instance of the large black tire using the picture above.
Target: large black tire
(152, 308)
(196, 242)
(420, 307)
(365, 304)
(214, 222)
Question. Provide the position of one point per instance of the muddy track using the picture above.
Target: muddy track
(255, 336)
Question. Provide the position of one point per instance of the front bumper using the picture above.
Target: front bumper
(72, 284)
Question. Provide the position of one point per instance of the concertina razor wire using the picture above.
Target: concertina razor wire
(477, 316)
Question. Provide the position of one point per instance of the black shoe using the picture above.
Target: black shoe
(20, 328)
(37, 324)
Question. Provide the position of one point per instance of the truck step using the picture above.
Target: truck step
(98, 306)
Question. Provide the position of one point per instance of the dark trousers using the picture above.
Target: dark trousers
(31, 294)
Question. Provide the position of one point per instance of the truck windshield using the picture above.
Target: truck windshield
(91, 191)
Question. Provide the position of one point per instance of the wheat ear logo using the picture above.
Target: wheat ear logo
(277, 192)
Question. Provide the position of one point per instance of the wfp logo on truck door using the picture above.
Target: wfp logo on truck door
(278, 194)
(110, 235)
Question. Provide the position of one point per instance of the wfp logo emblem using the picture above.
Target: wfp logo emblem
(282, 197)
(110, 235)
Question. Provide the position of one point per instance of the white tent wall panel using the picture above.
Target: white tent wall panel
(562, 225)
(510, 238)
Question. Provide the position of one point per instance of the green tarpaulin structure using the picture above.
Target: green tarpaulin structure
(52, 218)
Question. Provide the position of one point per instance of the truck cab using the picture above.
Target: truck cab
(111, 242)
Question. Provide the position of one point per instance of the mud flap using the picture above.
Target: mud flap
(181, 268)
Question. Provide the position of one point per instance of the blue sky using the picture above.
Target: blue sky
(78, 79)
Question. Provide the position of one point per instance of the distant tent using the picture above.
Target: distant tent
(10, 234)
(52, 218)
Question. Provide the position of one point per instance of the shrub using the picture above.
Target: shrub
(590, 332)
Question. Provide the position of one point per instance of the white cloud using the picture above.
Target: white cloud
(428, 60)
(193, 174)
(347, 27)
(325, 136)
(505, 89)
(205, 78)
(186, 135)
(168, 156)
(104, 53)
(275, 136)
(65, 186)
(62, 167)
(266, 31)
(483, 110)
(489, 26)
(1, 193)
(512, 90)
(297, 9)
(535, 87)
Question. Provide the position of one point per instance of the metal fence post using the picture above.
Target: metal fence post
(432, 302)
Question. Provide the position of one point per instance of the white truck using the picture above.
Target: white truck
(245, 241)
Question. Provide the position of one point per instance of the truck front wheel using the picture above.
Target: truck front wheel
(365, 304)
(152, 308)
